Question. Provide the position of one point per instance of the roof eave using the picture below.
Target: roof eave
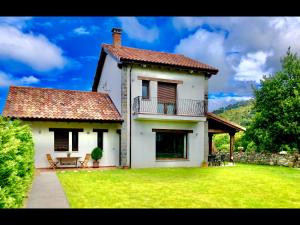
(226, 122)
(99, 70)
(66, 119)
(211, 71)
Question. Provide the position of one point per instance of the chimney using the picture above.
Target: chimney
(116, 35)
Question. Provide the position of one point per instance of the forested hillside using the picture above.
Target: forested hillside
(240, 113)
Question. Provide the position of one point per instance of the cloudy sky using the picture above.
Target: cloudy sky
(62, 52)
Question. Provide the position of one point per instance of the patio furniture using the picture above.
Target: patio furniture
(69, 160)
(84, 163)
(53, 164)
(222, 159)
(212, 160)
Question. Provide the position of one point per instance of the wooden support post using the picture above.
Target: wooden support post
(231, 146)
(210, 135)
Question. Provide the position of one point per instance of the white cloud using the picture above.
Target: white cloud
(219, 102)
(252, 47)
(137, 31)
(18, 22)
(252, 67)
(5, 79)
(35, 51)
(86, 30)
(205, 45)
(8, 79)
(81, 31)
(208, 47)
(29, 80)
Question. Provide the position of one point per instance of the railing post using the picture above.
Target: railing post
(139, 107)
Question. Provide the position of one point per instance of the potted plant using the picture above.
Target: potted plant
(204, 164)
(96, 155)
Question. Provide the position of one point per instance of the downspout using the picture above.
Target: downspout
(130, 116)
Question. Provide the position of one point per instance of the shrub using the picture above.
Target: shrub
(97, 153)
(251, 147)
(222, 141)
(16, 162)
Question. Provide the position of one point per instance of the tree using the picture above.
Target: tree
(275, 125)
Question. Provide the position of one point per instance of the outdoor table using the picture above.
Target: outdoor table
(69, 160)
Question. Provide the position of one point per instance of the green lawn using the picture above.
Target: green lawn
(241, 186)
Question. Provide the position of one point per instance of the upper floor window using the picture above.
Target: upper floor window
(145, 89)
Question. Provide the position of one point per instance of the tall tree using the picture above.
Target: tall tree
(275, 125)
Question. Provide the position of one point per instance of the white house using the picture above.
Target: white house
(146, 109)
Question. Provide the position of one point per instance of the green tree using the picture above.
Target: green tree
(16, 162)
(275, 124)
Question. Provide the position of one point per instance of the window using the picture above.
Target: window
(61, 140)
(145, 89)
(166, 94)
(75, 141)
(171, 145)
(100, 139)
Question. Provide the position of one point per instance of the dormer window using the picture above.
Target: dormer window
(145, 89)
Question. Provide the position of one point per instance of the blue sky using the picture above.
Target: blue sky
(62, 52)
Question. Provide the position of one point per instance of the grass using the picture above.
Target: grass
(241, 186)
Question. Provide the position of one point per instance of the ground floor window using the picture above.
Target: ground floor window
(171, 145)
(61, 140)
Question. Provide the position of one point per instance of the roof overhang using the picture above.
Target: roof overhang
(217, 124)
(67, 120)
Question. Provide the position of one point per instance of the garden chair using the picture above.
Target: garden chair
(222, 159)
(53, 164)
(84, 163)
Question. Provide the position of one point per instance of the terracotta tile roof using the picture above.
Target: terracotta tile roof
(46, 103)
(141, 55)
(225, 122)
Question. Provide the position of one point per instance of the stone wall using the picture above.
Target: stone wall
(290, 160)
(124, 112)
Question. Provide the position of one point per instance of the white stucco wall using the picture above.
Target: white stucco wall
(87, 140)
(110, 81)
(193, 86)
(143, 150)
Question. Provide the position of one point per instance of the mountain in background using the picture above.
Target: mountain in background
(240, 112)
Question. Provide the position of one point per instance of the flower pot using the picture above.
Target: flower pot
(204, 165)
(96, 164)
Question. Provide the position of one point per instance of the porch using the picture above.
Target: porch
(218, 125)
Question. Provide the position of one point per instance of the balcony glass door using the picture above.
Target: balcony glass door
(166, 98)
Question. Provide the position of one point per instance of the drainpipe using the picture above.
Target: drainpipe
(130, 117)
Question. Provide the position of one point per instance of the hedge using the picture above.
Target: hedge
(16, 162)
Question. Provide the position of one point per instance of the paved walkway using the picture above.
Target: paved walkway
(47, 192)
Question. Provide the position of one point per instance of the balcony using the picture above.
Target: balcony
(169, 109)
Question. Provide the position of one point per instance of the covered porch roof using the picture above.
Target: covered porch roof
(218, 125)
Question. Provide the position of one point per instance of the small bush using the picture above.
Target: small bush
(251, 147)
(16, 162)
(97, 154)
